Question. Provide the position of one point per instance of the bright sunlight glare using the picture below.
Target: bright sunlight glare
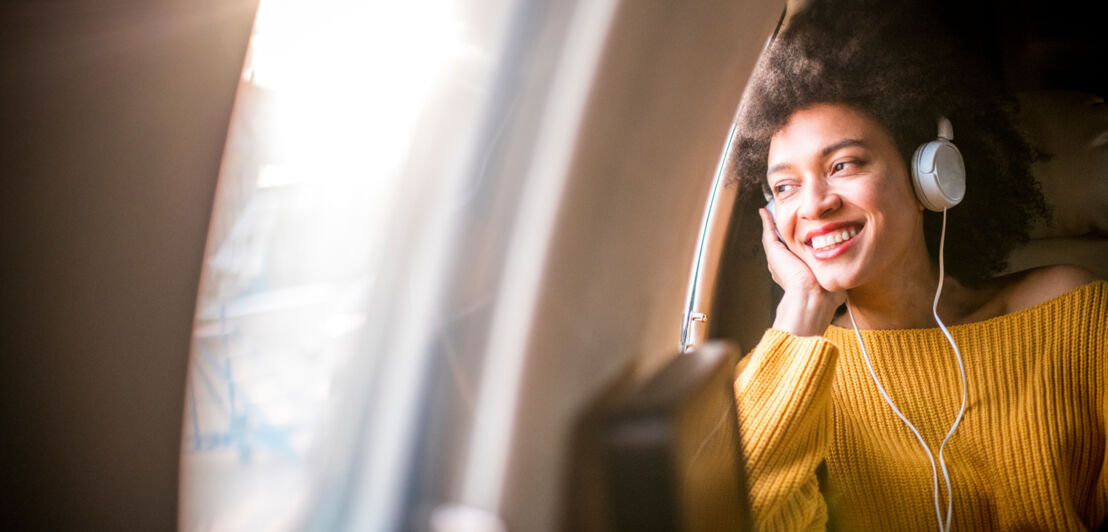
(332, 94)
(349, 78)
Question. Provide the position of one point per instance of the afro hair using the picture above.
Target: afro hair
(902, 68)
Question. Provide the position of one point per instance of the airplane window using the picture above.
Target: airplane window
(709, 253)
(325, 179)
(721, 232)
(414, 197)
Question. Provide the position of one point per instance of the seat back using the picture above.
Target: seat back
(664, 454)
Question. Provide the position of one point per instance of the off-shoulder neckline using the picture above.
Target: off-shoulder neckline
(1038, 307)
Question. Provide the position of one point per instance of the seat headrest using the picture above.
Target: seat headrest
(1072, 129)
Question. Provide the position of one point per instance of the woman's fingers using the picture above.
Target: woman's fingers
(770, 243)
(788, 271)
(779, 257)
(769, 230)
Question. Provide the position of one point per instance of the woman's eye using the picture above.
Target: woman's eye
(844, 165)
(782, 188)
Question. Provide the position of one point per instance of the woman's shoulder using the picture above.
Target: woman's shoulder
(1028, 288)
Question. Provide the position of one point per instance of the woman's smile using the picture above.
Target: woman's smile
(843, 199)
(832, 240)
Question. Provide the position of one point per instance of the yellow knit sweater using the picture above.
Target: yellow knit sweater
(1029, 454)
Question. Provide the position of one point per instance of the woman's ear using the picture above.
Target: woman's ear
(912, 188)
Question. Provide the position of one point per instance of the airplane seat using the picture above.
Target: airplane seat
(1071, 128)
(663, 454)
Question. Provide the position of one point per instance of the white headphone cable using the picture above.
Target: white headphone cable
(961, 411)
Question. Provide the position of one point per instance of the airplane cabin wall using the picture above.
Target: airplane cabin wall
(114, 118)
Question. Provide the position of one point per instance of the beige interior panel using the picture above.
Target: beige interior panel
(611, 298)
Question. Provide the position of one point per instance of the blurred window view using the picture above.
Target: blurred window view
(321, 157)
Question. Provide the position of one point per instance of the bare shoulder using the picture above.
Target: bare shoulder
(1030, 287)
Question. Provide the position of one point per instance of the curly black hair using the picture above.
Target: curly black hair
(901, 67)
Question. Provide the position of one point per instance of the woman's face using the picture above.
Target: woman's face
(844, 203)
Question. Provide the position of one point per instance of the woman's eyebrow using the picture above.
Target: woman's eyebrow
(827, 150)
(777, 168)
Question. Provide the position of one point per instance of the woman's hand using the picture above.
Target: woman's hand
(807, 308)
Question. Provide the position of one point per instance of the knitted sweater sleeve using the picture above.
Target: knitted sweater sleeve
(783, 395)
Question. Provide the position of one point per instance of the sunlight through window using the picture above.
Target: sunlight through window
(332, 96)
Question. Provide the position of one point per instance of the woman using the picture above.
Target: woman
(1004, 423)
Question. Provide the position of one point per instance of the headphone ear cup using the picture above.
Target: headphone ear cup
(772, 208)
(939, 175)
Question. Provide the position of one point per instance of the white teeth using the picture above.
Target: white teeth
(830, 240)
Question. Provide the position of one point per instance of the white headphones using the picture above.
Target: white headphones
(938, 173)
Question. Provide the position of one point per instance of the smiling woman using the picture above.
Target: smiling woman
(834, 170)
(905, 83)
(880, 396)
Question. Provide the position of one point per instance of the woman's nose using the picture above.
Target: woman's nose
(818, 200)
